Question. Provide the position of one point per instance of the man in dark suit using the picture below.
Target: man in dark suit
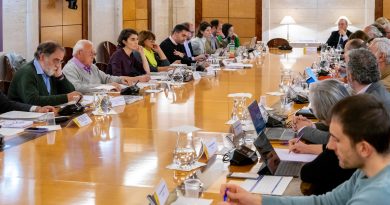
(174, 49)
(364, 77)
(340, 36)
(7, 105)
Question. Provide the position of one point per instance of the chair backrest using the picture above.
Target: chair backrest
(8, 70)
(276, 42)
(4, 85)
(102, 66)
(68, 55)
(104, 51)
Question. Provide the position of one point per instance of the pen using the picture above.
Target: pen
(225, 197)
(299, 139)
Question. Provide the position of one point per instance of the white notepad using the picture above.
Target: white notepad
(21, 115)
(269, 185)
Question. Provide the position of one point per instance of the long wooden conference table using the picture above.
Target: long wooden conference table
(120, 159)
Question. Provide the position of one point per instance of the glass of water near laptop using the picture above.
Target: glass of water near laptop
(239, 111)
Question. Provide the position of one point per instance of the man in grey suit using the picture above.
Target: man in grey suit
(363, 75)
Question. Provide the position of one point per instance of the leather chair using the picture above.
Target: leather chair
(276, 42)
(68, 55)
(101, 66)
(104, 51)
(8, 75)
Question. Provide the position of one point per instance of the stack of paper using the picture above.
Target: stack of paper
(21, 115)
(285, 155)
(15, 123)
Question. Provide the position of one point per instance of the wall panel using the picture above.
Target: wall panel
(136, 14)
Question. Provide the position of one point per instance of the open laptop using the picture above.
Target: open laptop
(272, 163)
(276, 133)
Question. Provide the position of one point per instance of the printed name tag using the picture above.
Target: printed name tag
(118, 101)
(161, 192)
(196, 75)
(210, 148)
(82, 120)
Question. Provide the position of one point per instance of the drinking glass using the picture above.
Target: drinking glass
(185, 154)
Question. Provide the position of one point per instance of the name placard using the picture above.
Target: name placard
(161, 192)
(118, 101)
(82, 120)
(210, 147)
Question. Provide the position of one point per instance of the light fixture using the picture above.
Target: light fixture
(345, 18)
(287, 20)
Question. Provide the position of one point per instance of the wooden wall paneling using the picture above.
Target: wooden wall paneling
(141, 25)
(141, 9)
(128, 10)
(215, 8)
(259, 19)
(242, 9)
(386, 9)
(51, 33)
(1, 26)
(51, 12)
(129, 24)
(198, 11)
(85, 19)
(243, 27)
(72, 16)
(223, 20)
(378, 8)
(71, 34)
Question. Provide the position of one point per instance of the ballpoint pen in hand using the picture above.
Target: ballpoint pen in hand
(298, 139)
(225, 197)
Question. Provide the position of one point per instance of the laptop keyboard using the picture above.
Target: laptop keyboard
(275, 133)
(289, 168)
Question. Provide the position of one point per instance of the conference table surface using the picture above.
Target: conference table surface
(121, 158)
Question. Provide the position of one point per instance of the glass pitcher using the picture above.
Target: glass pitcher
(240, 109)
(185, 154)
(102, 103)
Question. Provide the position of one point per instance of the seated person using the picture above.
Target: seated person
(7, 105)
(359, 34)
(129, 59)
(155, 56)
(374, 31)
(174, 49)
(216, 30)
(324, 173)
(357, 146)
(380, 47)
(339, 37)
(84, 75)
(201, 44)
(41, 82)
(229, 36)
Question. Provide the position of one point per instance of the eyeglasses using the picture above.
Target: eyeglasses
(91, 53)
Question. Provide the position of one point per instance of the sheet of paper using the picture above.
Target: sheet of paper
(21, 115)
(270, 185)
(105, 87)
(274, 93)
(87, 99)
(117, 101)
(51, 127)
(191, 201)
(15, 123)
(189, 168)
(239, 95)
(284, 155)
(184, 129)
(111, 112)
(10, 131)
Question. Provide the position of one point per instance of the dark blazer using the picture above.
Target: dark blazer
(333, 40)
(7, 105)
(379, 91)
(168, 48)
(28, 87)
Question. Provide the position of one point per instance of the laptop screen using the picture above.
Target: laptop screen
(256, 116)
(267, 152)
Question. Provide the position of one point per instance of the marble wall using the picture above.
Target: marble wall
(315, 19)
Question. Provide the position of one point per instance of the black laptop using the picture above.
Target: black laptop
(275, 133)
